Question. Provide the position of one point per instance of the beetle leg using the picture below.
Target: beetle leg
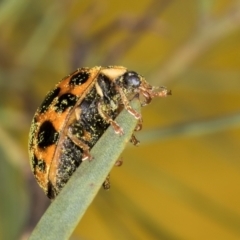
(138, 126)
(118, 163)
(150, 92)
(134, 140)
(147, 96)
(104, 115)
(106, 184)
(82, 145)
(127, 105)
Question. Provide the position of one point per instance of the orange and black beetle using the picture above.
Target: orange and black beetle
(75, 114)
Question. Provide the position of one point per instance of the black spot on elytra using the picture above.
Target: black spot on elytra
(65, 101)
(41, 165)
(79, 78)
(38, 164)
(48, 100)
(47, 135)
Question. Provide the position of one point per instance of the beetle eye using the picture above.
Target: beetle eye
(131, 79)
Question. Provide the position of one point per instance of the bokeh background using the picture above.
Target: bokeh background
(182, 182)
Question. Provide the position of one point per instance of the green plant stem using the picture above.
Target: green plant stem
(63, 215)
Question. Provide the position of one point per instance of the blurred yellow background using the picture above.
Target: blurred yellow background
(182, 182)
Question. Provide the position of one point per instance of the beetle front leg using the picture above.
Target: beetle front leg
(127, 105)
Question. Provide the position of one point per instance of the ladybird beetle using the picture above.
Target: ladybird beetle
(75, 114)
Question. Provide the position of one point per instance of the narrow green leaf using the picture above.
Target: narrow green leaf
(67, 209)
